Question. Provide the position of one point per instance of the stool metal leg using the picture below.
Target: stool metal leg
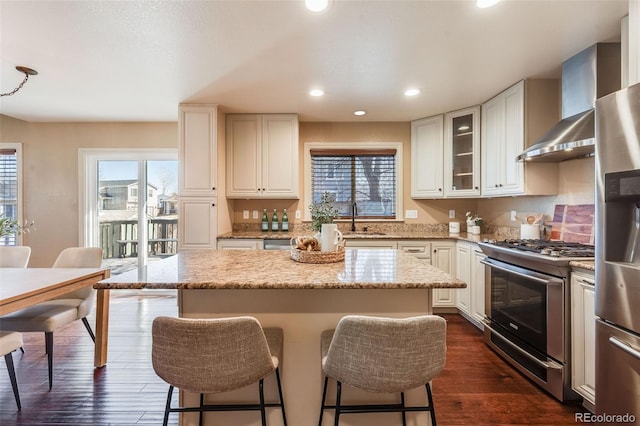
(284, 416)
(433, 409)
(167, 406)
(404, 413)
(324, 396)
(263, 415)
(201, 413)
(48, 344)
(338, 396)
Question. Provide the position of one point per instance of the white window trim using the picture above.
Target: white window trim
(88, 192)
(310, 146)
(19, 194)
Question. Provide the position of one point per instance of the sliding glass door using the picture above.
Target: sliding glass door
(131, 206)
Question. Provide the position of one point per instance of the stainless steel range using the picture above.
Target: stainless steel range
(528, 308)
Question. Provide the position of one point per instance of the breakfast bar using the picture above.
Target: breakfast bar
(301, 298)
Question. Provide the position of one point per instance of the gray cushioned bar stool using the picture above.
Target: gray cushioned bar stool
(9, 342)
(383, 355)
(214, 356)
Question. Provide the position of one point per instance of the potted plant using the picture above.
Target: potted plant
(10, 227)
(323, 212)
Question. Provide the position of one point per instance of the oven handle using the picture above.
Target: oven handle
(551, 281)
(548, 365)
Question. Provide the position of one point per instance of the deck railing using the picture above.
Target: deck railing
(119, 237)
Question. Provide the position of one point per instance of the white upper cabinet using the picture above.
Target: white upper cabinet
(262, 156)
(462, 153)
(197, 149)
(427, 157)
(511, 121)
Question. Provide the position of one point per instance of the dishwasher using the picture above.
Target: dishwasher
(276, 244)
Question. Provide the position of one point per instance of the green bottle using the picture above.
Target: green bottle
(274, 221)
(265, 221)
(285, 221)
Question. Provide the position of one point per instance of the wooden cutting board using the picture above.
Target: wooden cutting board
(573, 223)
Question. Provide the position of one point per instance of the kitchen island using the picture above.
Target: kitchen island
(302, 299)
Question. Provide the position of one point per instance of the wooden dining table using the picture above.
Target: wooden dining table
(24, 287)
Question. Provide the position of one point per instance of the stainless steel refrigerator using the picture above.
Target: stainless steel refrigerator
(618, 257)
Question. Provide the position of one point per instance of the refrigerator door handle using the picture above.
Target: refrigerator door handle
(626, 347)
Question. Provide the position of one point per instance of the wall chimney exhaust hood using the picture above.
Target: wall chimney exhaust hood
(587, 76)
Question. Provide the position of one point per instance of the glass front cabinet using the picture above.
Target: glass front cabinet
(462, 153)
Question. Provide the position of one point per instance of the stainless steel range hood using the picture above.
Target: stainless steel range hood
(587, 76)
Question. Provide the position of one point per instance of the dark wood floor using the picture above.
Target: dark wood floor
(477, 387)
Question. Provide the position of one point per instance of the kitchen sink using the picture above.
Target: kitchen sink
(363, 233)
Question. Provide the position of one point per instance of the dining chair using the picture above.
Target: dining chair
(212, 356)
(53, 314)
(14, 256)
(383, 355)
(9, 342)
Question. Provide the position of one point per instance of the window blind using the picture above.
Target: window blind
(366, 177)
(8, 189)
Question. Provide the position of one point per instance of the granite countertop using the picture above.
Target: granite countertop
(274, 269)
(364, 235)
(589, 265)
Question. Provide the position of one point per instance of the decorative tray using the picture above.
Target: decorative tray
(304, 256)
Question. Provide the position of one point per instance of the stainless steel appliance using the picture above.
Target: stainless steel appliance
(618, 256)
(527, 308)
(276, 244)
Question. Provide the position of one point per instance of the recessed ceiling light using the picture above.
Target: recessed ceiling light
(486, 3)
(316, 92)
(412, 92)
(359, 112)
(316, 5)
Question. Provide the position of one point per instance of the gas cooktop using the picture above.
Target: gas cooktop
(549, 248)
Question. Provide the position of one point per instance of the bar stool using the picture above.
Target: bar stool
(9, 342)
(215, 356)
(383, 355)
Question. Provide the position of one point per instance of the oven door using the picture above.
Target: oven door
(527, 308)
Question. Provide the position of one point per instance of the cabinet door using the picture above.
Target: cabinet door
(477, 288)
(492, 130)
(583, 335)
(462, 153)
(427, 155)
(198, 149)
(197, 223)
(463, 272)
(244, 164)
(280, 156)
(512, 181)
(443, 257)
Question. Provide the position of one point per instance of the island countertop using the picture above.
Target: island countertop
(258, 269)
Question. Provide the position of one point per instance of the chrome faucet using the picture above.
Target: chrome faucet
(354, 212)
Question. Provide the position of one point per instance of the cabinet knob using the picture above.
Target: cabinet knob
(213, 188)
(500, 185)
(440, 189)
(475, 187)
(258, 189)
(265, 189)
(213, 204)
(496, 185)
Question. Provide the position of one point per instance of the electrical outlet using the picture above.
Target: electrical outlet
(513, 215)
(452, 214)
(298, 214)
(245, 214)
(411, 214)
(255, 214)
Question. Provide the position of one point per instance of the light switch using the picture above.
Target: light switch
(513, 215)
(245, 214)
(255, 214)
(452, 214)
(298, 214)
(411, 214)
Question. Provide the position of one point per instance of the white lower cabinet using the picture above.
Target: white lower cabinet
(470, 300)
(443, 256)
(240, 244)
(197, 223)
(583, 336)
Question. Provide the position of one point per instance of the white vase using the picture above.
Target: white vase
(330, 237)
(475, 230)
